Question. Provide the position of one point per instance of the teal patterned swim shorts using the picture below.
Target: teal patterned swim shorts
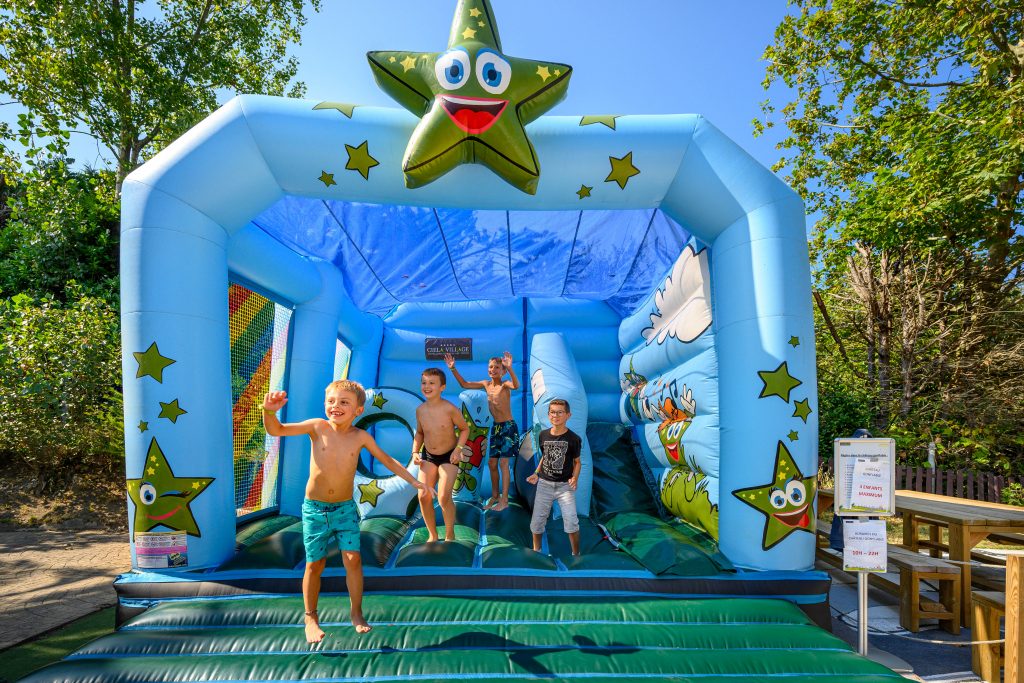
(323, 521)
(504, 439)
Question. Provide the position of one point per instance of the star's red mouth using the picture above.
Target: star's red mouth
(796, 519)
(472, 114)
(159, 518)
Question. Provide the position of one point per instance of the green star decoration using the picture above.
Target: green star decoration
(344, 107)
(793, 435)
(785, 501)
(370, 492)
(172, 411)
(152, 363)
(794, 342)
(802, 409)
(607, 120)
(327, 179)
(359, 159)
(584, 191)
(161, 498)
(379, 401)
(143, 426)
(622, 170)
(778, 382)
(473, 101)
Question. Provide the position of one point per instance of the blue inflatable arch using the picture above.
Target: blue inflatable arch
(698, 332)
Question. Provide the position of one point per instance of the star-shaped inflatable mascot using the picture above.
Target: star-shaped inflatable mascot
(472, 100)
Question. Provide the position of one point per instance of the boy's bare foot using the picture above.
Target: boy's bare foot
(446, 539)
(502, 504)
(314, 634)
(491, 502)
(432, 539)
(362, 626)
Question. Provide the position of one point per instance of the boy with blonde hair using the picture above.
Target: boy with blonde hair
(436, 421)
(504, 438)
(328, 510)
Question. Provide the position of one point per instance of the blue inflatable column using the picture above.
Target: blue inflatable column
(553, 374)
(310, 370)
(177, 385)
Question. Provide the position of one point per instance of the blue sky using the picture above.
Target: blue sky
(640, 57)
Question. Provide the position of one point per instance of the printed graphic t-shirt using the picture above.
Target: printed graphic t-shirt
(560, 454)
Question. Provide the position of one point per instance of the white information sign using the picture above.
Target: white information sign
(161, 549)
(864, 545)
(865, 471)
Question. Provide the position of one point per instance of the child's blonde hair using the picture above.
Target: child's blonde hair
(348, 385)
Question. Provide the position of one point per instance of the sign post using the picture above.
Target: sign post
(865, 493)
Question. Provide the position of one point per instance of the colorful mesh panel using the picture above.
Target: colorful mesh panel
(259, 340)
(342, 357)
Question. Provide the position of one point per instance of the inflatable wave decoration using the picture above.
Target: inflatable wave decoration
(375, 495)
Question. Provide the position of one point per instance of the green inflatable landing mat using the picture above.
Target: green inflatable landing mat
(415, 638)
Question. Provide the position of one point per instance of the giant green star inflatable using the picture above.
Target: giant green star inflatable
(472, 100)
(785, 501)
(162, 499)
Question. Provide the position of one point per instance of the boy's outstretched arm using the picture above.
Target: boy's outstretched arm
(449, 360)
(272, 403)
(506, 360)
(370, 444)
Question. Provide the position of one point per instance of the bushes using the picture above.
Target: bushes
(60, 385)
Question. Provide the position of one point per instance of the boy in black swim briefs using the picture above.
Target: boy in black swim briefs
(504, 441)
(436, 421)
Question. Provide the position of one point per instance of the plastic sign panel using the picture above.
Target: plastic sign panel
(865, 472)
(864, 545)
(435, 348)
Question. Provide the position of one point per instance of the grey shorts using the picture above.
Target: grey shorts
(547, 493)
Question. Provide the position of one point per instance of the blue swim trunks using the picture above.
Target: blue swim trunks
(505, 439)
(323, 521)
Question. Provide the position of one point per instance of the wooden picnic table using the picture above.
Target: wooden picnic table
(969, 523)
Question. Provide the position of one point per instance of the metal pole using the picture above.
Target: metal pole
(862, 613)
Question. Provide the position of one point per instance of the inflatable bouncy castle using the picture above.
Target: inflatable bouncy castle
(644, 268)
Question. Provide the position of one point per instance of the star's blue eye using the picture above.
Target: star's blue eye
(777, 499)
(452, 69)
(796, 491)
(492, 71)
(147, 494)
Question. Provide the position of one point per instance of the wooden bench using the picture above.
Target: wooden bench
(906, 569)
(989, 608)
(936, 547)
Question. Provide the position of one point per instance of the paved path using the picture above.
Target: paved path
(49, 578)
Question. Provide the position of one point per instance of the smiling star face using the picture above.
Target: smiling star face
(786, 501)
(473, 101)
(162, 499)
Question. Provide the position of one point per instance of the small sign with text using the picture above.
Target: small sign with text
(436, 348)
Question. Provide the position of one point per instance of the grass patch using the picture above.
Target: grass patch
(21, 660)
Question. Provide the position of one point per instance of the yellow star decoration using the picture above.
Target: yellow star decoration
(543, 72)
(794, 435)
(379, 401)
(359, 159)
(481, 24)
(152, 363)
(606, 120)
(622, 170)
(408, 63)
(802, 409)
(584, 191)
(172, 411)
(143, 426)
(370, 492)
(468, 34)
(474, 12)
(785, 501)
(391, 59)
(794, 342)
(163, 499)
(327, 179)
(343, 107)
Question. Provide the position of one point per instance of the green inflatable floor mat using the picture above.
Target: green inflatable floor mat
(596, 638)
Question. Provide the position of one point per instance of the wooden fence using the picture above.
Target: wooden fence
(959, 484)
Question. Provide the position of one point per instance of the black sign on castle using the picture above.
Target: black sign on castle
(435, 348)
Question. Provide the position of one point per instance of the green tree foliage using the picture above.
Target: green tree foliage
(136, 76)
(60, 398)
(906, 138)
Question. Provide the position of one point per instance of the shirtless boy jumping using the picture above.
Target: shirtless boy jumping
(436, 420)
(504, 440)
(328, 510)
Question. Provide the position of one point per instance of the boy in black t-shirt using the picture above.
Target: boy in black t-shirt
(556, 476)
